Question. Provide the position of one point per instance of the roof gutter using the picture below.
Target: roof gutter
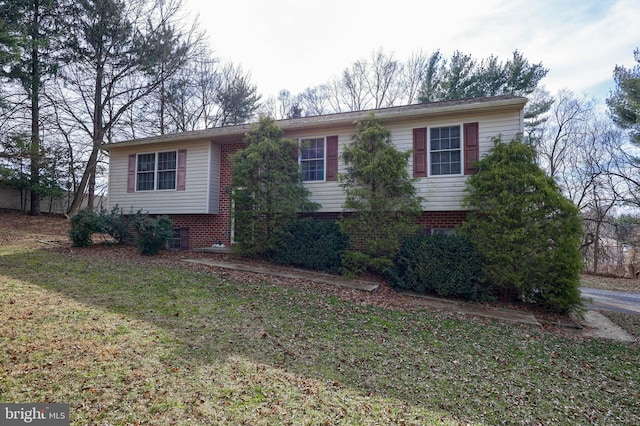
(334, 120)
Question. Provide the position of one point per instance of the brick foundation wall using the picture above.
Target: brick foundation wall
(428, 220)
(206, 230)
(441, 220)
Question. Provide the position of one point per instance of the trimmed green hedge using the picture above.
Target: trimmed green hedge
(444, 265)
(310, 243)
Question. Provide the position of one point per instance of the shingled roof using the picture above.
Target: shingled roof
(433, 109)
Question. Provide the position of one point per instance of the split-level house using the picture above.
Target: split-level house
(187, 175)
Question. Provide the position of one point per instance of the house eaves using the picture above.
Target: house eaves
(386, 115)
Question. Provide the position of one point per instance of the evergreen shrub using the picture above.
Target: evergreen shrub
(444, 265)
(118, 225)
(83, 224)
(152, 234)
(310, 243)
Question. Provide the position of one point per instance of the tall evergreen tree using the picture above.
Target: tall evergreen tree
(381, 203)
(32, 39)
(267, 188)
(527, 231)
(237, 97)
(624, 102)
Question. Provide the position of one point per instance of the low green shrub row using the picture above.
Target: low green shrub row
(150, 234)
(310, 243)
(444, 265)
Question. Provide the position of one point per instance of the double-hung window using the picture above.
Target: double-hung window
(156, 171)
(445, 150)
(312, 159)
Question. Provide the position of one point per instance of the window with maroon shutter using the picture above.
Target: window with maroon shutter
(332, 158)
(156, 171)
(471, 148)
(420, 152)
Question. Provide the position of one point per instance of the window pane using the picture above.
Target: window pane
(167, 160)
(313, 170)
(312, 148)
(312, 159)
(146, 162)
(145, 182)
(167, 180)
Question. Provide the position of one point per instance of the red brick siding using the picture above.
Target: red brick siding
(207, 229)
(440, 220)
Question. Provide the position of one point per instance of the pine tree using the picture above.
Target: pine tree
(381, 201)
(527, 231)
(267, 188)
(624, 103)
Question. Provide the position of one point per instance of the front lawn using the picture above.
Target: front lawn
(125, 343)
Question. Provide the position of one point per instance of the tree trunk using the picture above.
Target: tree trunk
(89, 175)
(34, 153)
(596, 247)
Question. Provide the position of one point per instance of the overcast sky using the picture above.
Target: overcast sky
(294, 44)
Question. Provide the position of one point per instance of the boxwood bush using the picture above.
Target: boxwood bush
(83, 224)
(443, 265)
(310, 243)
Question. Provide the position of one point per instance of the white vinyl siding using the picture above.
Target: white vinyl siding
(441, 193)
(194, 199)
(203, 173)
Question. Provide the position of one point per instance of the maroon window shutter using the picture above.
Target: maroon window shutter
(420, 152)
(471, 148)
(131, 175)
(182, 170)
(332, 158)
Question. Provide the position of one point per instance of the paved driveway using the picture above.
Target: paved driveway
(617, 301)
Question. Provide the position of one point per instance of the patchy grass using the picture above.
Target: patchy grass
(631, 323)
(128, 343)
(610, 283)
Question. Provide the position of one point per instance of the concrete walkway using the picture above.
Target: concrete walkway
(593, 325)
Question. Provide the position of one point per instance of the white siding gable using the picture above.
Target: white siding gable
(201, 194)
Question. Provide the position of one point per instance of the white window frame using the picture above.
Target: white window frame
(156, 172)
(324, 157)
(460, 149)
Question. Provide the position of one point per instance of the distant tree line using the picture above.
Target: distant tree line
(381, 81)
(77, 74)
